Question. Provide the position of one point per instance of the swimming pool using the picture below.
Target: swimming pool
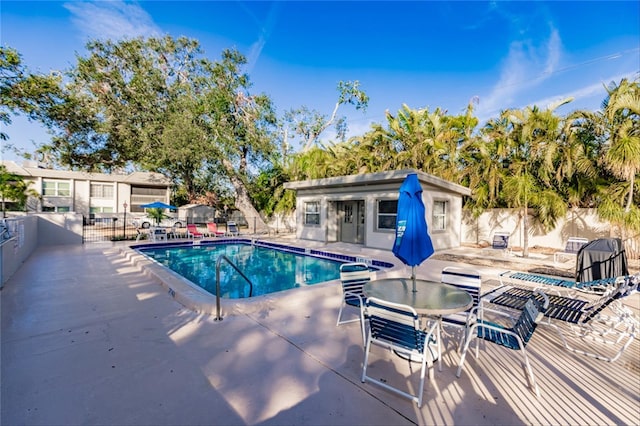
(271, 267)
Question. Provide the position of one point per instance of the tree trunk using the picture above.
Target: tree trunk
(525, 230)
(243, 202)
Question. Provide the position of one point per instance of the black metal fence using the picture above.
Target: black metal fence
(120, 227)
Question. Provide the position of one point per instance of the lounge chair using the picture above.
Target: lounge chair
(515, 337)
(232, 229)
(584, 319)
(499, 243)
(574, 244)
(175, 232)
(193, 232)
(470, 281)
(353, 277)
(212, 230)
(596, 286)
(397, 327)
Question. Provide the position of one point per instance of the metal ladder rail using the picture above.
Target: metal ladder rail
(218, 263)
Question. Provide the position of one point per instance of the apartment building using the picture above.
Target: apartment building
(90, 194)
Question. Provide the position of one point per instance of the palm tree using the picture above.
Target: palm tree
(532, 132)
(622, 112)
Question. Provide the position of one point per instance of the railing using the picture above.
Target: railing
(218, 262)
(120, 226)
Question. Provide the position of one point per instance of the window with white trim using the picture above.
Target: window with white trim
(312, 213)
(101, 190)
(101, 210)
(56, 209)
(439, 221)
(56, 188)
(387, 212)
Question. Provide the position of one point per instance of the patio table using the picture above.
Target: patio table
(431, 299)
(158, 233)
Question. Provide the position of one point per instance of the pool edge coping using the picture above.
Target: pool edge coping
(194, 298)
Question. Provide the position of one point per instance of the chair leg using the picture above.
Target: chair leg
(363, 331)
(439, 344)
(367, 348)
(532, 379)
(464, 354)
(472, 333)
(340, 313)
(425, 366)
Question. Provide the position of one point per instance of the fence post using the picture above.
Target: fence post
(113, 229)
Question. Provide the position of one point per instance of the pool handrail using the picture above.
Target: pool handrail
(218, 262)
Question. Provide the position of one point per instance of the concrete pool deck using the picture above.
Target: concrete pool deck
(90, 338)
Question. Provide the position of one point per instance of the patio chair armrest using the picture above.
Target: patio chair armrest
(511, 316)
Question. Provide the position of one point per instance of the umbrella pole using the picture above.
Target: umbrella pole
(413, 277)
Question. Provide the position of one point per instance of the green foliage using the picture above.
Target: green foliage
(13, 188)
(267, 190)
(21, 91)
(159, 104)
(156, 214)
(310, 124)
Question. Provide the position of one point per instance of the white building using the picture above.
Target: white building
(361, 209)
(90, 193)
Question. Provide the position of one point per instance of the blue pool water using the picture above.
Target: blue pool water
(269, 270)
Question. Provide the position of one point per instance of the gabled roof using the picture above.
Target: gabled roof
(365, 179)
(139, 178)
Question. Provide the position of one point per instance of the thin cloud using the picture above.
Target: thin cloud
(525, 66)
(583, 93)
(113, 20)
(265, 33)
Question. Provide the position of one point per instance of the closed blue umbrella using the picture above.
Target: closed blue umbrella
(157, 205)
(413, 244)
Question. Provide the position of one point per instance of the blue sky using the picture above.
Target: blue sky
(423, 54)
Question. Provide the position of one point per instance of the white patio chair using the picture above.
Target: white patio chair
(397, 327)
(515, 337)
(583, 319)
(353, 276)
(574, 244)
(470, 281)
(499, 243)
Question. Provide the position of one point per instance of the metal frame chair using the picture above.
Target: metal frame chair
(515, 337)
(353, 276)
(584, 319)
(193, 231)
(596, 286)
(212, 230)
(500, 242)
(470, 281)
(397, 327)
(574, 244)
(232, 229)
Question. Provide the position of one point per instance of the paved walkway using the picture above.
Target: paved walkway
(89, 338)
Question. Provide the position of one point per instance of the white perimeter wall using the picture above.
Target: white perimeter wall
(577, 223)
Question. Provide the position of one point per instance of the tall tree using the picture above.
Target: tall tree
(621, 116)
(159, 105)
(239, 126)
(531, 133)
(310, 124)
(622, 111)
(22, 91)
